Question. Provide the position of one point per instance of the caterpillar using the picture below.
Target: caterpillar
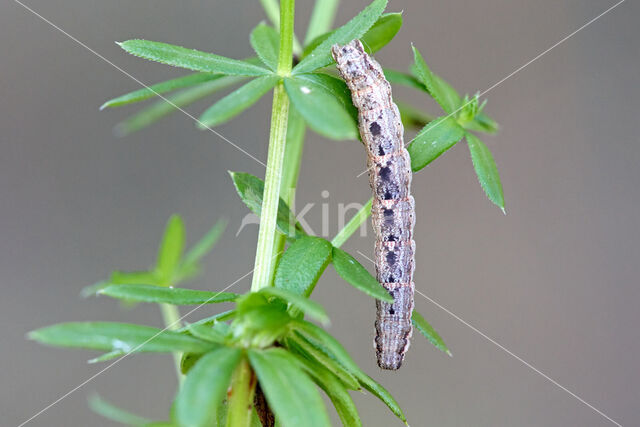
(393, 208)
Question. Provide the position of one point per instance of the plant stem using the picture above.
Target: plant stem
(171, 317)
(353, 224)
(243, 386)
(265, 259)
(271, 9)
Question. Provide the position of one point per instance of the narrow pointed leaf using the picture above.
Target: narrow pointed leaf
(160, 88)
(115, 414)
(382, 32)
(307, 306)
(191, 59)
(358, 276)
(433, 140)
(291, 394)
(413, 117)
(237, 101)
(382, 394)
(323, 341)
(440, 90)
(297, 344)
(486, 170)
(106, 356)
(205, 387)
(429, 333)
(172, 103)
(220, 317)
(265, 42)
(321, 109)
(335, 390)
(398, 77)
(483, 123)
(251, 189)
(355, 28)
(158, 294)
(208, 333)
(206, 243)
(170, 249)
(302, 264)
(112, 336)
(324, 12)
(373, 40)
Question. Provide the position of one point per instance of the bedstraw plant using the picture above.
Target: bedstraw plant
(264, 361)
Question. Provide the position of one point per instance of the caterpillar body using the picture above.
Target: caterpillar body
(393, 209)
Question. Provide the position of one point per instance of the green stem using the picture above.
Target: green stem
(272, 10)
(353, 224)
(171, 317)
(265, 260)
(243, 386)
(291, 168)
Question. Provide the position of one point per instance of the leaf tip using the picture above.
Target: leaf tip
(449, 353)
(504, 211)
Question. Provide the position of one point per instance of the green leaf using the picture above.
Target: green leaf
(486, 170)
(482, 123)
(433, 140)
(112, 336)
(440, 90)
(307, 306)
(160, 88)
(354, 29)
(412, 117)
(322, 101)
(358, 276)
(382, 32)
(220, 317)
(260, 326)
(190, 263)
(209, 333)
(188, 360)
(172, 103)
(324, 12)
(170, 250)
(323, 341)
(158, 294)
(250, 189)
(302, 264)
(106, 356)
(237, 101)
(382, 394)
(427, 330)
(191, 59)
(334, 389)
(265, 42)
(300, 345)
(291, 394)
(115, 414)
(205, 387)
(398, 77)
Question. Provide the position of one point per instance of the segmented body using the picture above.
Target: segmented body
(393, 209)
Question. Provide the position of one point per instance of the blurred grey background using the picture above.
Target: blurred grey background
(555, 281)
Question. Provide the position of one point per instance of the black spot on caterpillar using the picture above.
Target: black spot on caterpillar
(393, 209)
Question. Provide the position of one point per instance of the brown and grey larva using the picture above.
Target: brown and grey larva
(393, 209)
